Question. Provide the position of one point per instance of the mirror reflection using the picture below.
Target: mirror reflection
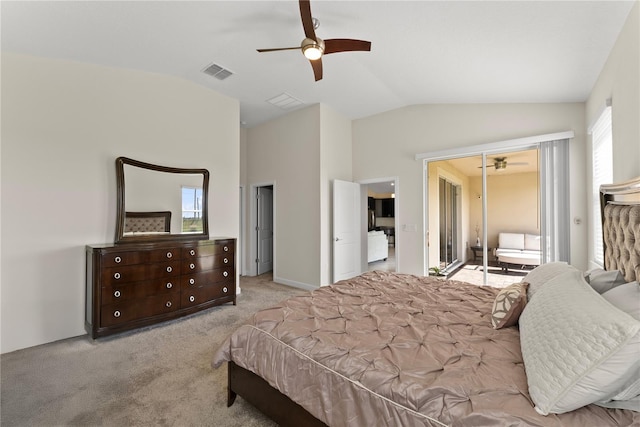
(158, 202)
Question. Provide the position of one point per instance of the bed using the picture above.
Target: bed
(402, 350)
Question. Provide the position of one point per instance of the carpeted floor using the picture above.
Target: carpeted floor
(158, 376)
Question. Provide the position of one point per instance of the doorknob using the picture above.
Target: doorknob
(337, 239)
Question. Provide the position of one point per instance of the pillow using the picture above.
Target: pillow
(577, 347)
(508, 305)
(626, 297)
(603, 280)
(540, 275)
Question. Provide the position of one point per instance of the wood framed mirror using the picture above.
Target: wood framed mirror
(160, 203)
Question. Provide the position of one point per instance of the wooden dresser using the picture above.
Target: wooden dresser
(139, 284)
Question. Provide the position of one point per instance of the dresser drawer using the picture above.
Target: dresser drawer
(206, 250)
(204, 263)
(114, 314)
(196, 296)
(139, 272)
(205, 278)
(122, 258)
(127, 291)
(114, 259)
(160, 255)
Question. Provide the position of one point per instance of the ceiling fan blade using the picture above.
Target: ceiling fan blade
(316, 64)
(517, 163)
(278, 48)
(307, 19)
(345, 45)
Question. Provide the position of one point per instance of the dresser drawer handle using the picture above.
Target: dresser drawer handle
(116, 294)
(225, 273)
(225, 289)
(169, 285)
(169, 255)
(116, 313)
(116, 276)
(169, 269)
(192, 266)
(192, 252)
(168, 304)
(192, 298)
(192, 281)
(226, 260)
(117, 260)
(226, 248)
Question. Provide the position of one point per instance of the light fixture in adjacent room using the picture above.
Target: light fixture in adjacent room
(500, 163)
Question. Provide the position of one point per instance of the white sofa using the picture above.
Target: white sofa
(378, 246)
(519, 249)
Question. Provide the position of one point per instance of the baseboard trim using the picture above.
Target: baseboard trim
(292, 283)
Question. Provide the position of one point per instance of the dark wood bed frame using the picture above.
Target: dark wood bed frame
(285, 411)
(267, 399)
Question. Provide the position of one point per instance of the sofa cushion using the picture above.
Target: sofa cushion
(511, 240)
(531, 242)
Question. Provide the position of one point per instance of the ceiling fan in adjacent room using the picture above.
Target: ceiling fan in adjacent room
(500, 163)
(313, 47)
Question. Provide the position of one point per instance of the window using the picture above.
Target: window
(192, 209)
(602, 160)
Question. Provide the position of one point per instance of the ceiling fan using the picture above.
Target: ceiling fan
(313, 47)
(500, 163)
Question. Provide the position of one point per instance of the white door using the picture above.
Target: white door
(346, 230)
(265, 229)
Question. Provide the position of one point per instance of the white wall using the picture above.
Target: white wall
(286, 152)
(63, 125)
(335, 163)
(385, 145)
(620, 81)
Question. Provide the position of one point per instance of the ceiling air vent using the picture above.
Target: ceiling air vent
(217, 71)
(285, 101)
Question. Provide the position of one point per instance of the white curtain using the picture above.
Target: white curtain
(554, 196)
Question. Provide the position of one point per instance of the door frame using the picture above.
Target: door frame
(242, 232)
(459, 256)
(252, 270)
(530, 142)
(396, 210)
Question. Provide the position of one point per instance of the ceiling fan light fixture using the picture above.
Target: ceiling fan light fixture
(313, 49)
(500, 164)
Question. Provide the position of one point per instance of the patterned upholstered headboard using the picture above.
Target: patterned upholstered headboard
(620, 208)
(147, 222)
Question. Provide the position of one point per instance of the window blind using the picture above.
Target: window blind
(602, 173)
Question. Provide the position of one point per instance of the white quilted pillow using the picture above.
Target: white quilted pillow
(577, 347)
(542, 274)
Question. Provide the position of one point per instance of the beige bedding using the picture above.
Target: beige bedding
(397, 350)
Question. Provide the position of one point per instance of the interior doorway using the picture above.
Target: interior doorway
(380, 217)
(264, 229)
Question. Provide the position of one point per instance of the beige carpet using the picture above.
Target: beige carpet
(159, 376)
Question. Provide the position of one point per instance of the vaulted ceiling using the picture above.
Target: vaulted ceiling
(422, 51)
